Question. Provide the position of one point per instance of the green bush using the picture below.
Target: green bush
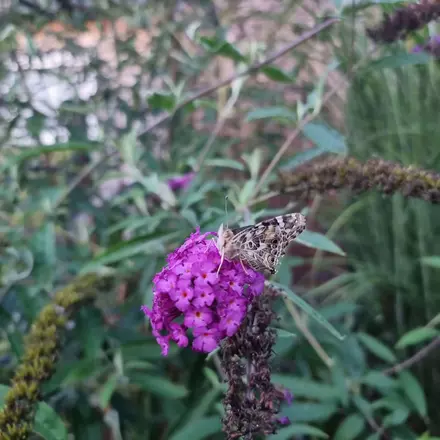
(125, 126)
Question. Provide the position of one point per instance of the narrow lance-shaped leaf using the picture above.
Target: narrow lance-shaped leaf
(307, 308)
(417, 336)
(319, 241)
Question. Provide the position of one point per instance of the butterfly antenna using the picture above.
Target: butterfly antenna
(226, 211)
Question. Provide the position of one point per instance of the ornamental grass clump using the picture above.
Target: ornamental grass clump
(189, 294)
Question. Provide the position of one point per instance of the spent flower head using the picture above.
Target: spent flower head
(189, 294)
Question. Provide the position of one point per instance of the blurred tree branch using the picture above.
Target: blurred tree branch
(250, 70)
(417, 357)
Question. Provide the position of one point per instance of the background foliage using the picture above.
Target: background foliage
(102, 103)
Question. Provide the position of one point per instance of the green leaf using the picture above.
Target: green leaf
(350, 428)
(390, 402)
(199, 429)
(363, 405)
(139, 366)
(225, 163)
(399, 60)
(282, 113)
(35, 123)
(106, 392)
(153, 184)
(44, 244)
(157, 385)
(149, 223)
(340, 282)
(414, 392)
(310, 412)
(302, 387)
(396, 418)
(221, 47)
(16, 264)
(326, 138)
(431, 261)
(276, 74)
(319, 241)
(307, 308)
(212, 353)
(375, 436)
(129, 249)
(191, 217)
(68, 374)
(298, 429)
(162, 101)
(377, 347)
(68, 107)
(16, 342)
(254, 161)
(31, 152)
(339, 310)
(340, 382)
(3, 391)
(212, 376)
(196, 194)
(416, 336)
(303, 157)
(378, 380)
(281, 333)
(8, 31)
(48, 423)
(246, 192)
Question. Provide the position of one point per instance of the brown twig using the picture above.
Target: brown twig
(213, 136)
(302, 326)
(380, 430)
(77, 180)
(417, 357)
(252, 69)
(295, 133)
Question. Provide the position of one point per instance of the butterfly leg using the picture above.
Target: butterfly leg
(244, 268)
(221, 261)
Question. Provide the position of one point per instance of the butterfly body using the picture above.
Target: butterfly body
(261, 246)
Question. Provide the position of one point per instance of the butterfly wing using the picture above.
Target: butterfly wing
(262, 245)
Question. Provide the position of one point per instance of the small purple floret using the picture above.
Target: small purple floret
(283, 420)
(288, 396)
(212, 306)
(181, 182)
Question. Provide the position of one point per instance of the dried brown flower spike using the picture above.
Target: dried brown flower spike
(403, 21)
(252, 401)
(375, 174)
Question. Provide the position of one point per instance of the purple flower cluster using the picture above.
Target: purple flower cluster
(181, 182)
(189, 294)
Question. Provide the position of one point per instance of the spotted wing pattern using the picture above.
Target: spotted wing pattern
(262, 245)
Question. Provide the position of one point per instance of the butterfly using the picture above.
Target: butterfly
(262, 245)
